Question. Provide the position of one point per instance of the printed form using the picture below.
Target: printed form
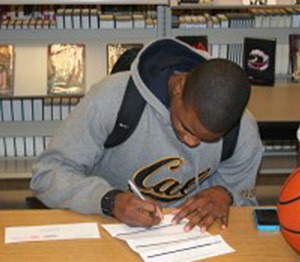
(51, 232)
(169, 242)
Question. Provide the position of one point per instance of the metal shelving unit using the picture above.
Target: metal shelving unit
(96, 40)
(221, 4)
(31, 45)
(237, 35)
(85, 2)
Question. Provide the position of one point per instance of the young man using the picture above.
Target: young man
(173, 156)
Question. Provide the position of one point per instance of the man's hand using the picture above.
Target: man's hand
(204, 208)
(133, 211)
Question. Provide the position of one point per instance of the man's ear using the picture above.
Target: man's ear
(176, 84)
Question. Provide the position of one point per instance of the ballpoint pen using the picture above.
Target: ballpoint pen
(135, 190)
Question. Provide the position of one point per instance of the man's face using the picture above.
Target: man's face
(186, 123)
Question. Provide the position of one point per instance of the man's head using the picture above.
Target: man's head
(208, 101)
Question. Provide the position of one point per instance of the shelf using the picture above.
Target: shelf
(28, 128)
(98, 2)
(237, 35)
(14, 168)
(215, 35)
(232, 4)
(278, 165)
(280, 153)
(215, 5)
(81, 35)
(226, 6)
(31, 53)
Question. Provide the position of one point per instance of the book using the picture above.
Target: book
(294, 44)
(94, 23)
(106, 21)
(138, 21)
(114, 51)
(123, 21)
(6, 69)
(85, 18)
(259, 60)
(199, 42)
(66, 69)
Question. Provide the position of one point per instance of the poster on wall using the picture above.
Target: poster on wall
(6, 69)
(66, 69)
(259, 60)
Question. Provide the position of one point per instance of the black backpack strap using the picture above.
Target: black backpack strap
(230, 141)
(125, 60)
(129, 114)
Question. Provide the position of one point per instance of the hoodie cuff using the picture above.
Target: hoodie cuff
(230, 195)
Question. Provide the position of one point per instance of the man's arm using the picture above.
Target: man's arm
(61, 174)
(235, 177)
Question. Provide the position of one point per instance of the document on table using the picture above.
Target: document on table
(169, 242)
(51, 232)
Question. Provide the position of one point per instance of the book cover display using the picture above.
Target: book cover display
(66, 69)
(259, 60)
(295, 56)
(6, 69)
(114, 51)
(198, 42)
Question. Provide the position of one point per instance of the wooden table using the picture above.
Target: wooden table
(250, 245)
(276, 104)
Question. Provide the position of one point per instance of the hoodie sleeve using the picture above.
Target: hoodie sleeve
(238, 173)
(60, 176)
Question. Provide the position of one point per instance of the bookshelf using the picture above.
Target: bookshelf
(31, 67)
(27, 124)
(22, 138)
(225, 36)
(28, 63)
(81, 2)
(221, 4)
(31, 64)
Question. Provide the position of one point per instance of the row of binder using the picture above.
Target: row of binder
(36, 109)
(31, 109)
(22, 146)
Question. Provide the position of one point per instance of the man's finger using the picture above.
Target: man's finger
(158, 209)
(143, 219)
(183, 213)
(194, 220)
(177, 210)
(206, 222)
(159, 212)
(224, 221)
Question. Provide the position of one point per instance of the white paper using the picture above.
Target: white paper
(51, 232)
(167, 242)
(125, 232)
(163, 241)
(196, 249)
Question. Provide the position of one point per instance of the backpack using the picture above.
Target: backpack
(128, 116)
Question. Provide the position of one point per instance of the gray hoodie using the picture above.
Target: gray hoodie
(76, 171)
